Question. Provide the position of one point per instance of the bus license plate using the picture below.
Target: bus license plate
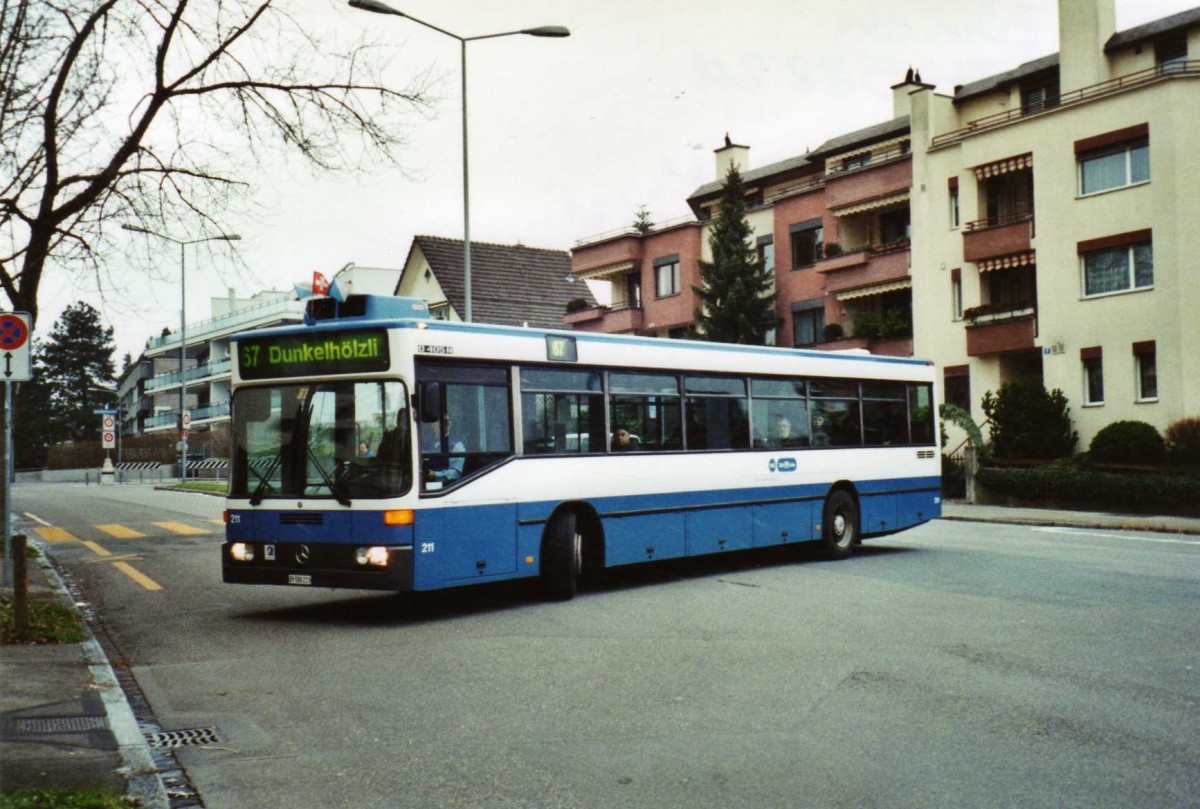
(299, 578)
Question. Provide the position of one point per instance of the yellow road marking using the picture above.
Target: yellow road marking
(140, 578)
(120, 532)
(94, 548)
(217, 522)
(181, 528)
(125, 557)
(51, 533)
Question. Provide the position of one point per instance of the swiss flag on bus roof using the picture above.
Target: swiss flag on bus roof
(320, 284)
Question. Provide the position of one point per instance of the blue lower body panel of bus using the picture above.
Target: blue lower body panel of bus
(353, 550)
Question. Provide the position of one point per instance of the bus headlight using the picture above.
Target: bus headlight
(242, 552)
(374, 556)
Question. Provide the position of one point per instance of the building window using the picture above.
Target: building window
(1145, 358)
(1039, 95)
(1115, 167)
(956, 387)
(633, 290)
(894, 226)
(808, 322)
(1118, 269)
(858, 161)
(666, 276)
(808, 243)
(766, 254)
(956, 294)
(955, 221)
(1093, 376)
(440, 311)
(1170, 54)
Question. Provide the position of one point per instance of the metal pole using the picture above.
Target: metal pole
(6, 489)
(466, 189)
(183, 443)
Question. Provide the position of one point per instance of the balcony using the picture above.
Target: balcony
(1001, 328)
(607, 319)
(885, 175)
(278, 309)
(865, 266)
(1106, 88)
(170, 418)
(998, 236)
(172, 379)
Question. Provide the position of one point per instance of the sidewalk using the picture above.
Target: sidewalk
(968, 512)
(64, 720)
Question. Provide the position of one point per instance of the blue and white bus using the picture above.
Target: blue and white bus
(376, 448)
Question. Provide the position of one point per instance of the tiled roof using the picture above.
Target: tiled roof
(754, 175)
(975, 88)
(888, 129)
(511, 285)
(1140, 33)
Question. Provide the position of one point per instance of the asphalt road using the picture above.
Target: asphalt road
(957, 664)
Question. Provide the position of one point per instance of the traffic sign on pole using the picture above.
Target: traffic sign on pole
(15, 356)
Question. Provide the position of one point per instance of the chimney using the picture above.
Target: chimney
(731, 154)
(901, 103)
(1084, 26)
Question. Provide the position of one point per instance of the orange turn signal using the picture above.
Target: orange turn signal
(399, 516)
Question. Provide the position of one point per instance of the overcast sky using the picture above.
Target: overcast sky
(569, 136)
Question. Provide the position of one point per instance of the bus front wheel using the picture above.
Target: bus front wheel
(562, 557)
(839, 524)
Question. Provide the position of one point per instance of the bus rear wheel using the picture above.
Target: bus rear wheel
(562, 557)
(839, 525)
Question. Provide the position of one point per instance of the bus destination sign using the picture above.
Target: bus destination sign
(320, 354)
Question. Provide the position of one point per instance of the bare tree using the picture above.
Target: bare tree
(149, 111)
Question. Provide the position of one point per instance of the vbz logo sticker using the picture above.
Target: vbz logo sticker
(782, 465)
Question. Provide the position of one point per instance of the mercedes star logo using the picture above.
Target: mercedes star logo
(303, 554)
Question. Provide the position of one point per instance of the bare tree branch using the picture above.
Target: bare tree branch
(149, 111)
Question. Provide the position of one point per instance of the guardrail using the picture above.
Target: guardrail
(1105, 88)
(172, 378)
(197, 331)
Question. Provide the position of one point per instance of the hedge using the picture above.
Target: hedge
(1135, 491)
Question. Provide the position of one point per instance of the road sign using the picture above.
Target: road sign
(108, 422)
(15, 354)
(110, 439)
(187, 419)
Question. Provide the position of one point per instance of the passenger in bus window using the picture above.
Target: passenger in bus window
(820, 430)
(439, 467)
(623, 440)
(364, 451)
(780, 432)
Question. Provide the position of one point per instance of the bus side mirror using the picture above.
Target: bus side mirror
(429, 402)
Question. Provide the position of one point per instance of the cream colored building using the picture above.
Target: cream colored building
(1053, 211)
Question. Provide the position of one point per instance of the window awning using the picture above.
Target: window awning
(1006, 262)
(871, 205)
(999, 167)
(607, 271)
(877, 289)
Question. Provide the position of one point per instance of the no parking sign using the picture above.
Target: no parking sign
(15, 364)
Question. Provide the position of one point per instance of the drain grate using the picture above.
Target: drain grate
(59, 724)
(172, 739)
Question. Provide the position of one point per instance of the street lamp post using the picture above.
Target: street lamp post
(183, 243)
(556, 31)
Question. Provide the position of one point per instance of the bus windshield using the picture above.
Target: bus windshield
(339, 440)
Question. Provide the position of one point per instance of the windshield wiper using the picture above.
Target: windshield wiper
(327, 479)
(264, 480)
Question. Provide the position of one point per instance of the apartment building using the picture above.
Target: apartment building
(149, 390)
(1032, 223)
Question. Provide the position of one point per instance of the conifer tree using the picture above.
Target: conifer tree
(737, 304)
(76, 357)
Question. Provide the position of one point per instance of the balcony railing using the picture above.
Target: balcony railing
(1021, 214)
(837, 166)
(998, 312)
(630, 230)
(170, 380)
(170, 418)
(1105, 88)
(229, 322)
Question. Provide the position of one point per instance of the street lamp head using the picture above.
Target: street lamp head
(375, 6)
(137, 229)
(557, 31)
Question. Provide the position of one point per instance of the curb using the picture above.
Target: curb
(142, 777)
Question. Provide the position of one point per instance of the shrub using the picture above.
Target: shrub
(865, 324)
(1149, 492)
(1183, 440)
(1127, 442)
(832, 331)
(833, 249)
(1029, 422)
